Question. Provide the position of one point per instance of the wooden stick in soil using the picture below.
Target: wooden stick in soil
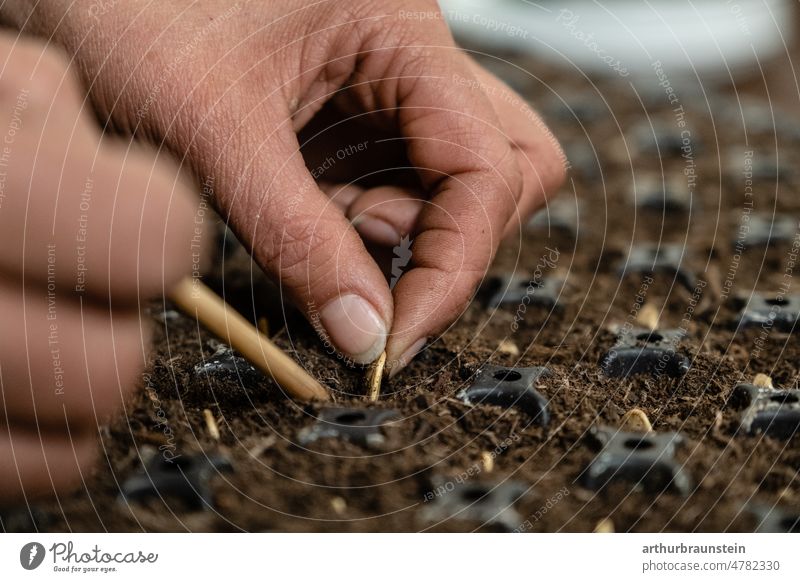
(197, 300)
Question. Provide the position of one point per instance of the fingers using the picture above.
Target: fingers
(470, 163)
(34, 463)
(63, 360)
(117, 222)
(343, 195)
(382, 215)
(299, 236)
(385, 215)
(80, 219)
(538, 153)
(455, 140)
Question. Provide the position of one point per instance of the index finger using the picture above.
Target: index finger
(465, 161)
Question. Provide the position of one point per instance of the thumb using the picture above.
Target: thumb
(303, 240)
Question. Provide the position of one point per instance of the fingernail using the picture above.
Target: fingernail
(354, 327)
(406, 358)
(376, 230)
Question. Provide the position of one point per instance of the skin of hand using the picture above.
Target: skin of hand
(89, 227)
(295, 110)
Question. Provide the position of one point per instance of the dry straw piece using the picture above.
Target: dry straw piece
(762, 381)
(197, 300)
(635, 420)
(211, 424)
(375, 377)
(487, 460)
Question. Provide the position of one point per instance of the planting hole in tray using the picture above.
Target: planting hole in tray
(185, 477)
(769, 411)
(362, 426)
(641, 351)
(640, 462)
(780, 312)
(509, 387)
(483, 504)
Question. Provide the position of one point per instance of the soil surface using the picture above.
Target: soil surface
(439, 447)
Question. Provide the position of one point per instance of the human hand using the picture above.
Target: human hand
(229, 86)
(88, 227)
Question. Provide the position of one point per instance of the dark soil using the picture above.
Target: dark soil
(333, 485)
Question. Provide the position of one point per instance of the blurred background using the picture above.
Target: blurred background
(662, 104)
(720, 40)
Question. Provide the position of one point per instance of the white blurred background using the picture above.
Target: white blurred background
(705, 37)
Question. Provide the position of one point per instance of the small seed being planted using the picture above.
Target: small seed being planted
(375, 377)
(762, 381)
(211, 424)
(605, 525)
(635, 420)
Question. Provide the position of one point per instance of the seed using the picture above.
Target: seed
(488, 461)
(605, 525)
(648, 317)
(211, 424)
(374, 378)
(762, 381)
(339, 505)
(635, 420)
(508, 347)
